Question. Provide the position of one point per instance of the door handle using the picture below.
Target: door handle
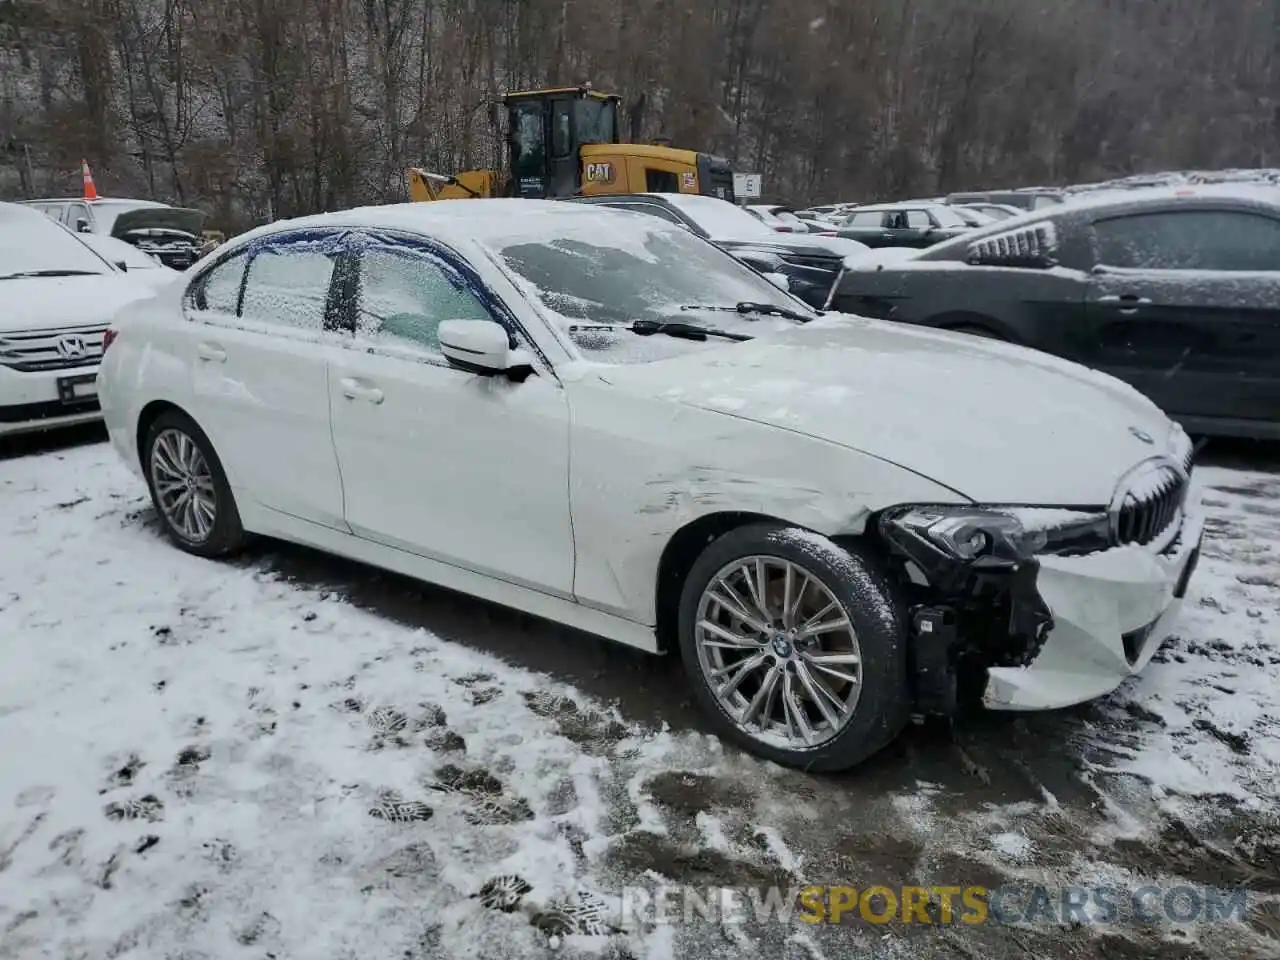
(353, 389)
(211, 352)
(1128, 303)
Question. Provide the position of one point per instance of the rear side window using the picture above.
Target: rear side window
(288, 285)
(1226, 240)
(218, 291)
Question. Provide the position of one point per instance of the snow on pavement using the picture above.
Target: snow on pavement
(204, 759)
(304, 769)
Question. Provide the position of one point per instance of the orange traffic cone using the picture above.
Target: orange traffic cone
(90, 191)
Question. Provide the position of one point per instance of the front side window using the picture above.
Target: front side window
(945, 217)
(918, 220)
(288, 285)
(1190, 240)
(869, 218)
(405, 295)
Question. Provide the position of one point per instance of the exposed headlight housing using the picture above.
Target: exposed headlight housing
(1009, 534)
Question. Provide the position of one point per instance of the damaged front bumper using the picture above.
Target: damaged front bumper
(1031, 621)
(1111, 611)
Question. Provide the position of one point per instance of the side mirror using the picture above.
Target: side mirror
(479, 346)
(779, 280)
(124, 267)
(82, 225)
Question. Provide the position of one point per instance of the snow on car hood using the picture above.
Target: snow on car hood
(39, 303)
(996, 423)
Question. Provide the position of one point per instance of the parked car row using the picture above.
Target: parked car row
(172, 235)
(1176, 292)
(839, 519)
(811, 264)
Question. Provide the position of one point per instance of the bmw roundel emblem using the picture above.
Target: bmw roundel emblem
(1142, 435)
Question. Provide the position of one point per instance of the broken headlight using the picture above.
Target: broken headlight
(1001, 533)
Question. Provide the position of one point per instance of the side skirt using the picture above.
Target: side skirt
(271, 523)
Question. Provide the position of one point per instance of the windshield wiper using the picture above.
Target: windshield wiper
(750, 306)
(48, 273)
(685, 331)
(647, 328)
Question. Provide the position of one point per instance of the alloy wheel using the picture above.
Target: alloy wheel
(778, 652)
(183, 484)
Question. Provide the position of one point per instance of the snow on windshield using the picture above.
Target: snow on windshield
(719, 218)
(30, 241)
(584, 278)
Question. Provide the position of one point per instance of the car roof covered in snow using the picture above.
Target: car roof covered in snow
(459, 221)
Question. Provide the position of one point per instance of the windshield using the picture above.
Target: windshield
(720, 218)
(947, 217)
(105, 213)
(31, 242)
(618, 272)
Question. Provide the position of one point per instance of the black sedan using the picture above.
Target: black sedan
(901, 225)
(811, 264)
(1176, 292)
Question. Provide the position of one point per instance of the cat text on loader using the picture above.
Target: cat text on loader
(563, 142)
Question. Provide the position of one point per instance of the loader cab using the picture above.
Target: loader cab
(564, 142)
(546, 130)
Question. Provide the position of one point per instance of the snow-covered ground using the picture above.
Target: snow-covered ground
(211, 760)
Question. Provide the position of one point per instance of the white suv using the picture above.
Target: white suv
(57, 296)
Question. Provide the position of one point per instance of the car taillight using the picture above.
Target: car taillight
(827, 233)
(108, 338)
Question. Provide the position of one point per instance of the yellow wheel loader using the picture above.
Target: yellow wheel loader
(563, 142)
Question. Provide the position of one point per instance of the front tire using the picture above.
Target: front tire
(189, 488)
(796, 646)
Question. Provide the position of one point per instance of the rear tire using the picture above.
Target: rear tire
(189, 488)
(849, 695)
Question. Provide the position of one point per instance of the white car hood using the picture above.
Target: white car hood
(993, 422)
(39, 303)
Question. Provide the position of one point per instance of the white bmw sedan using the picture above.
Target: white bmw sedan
(597, 418)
